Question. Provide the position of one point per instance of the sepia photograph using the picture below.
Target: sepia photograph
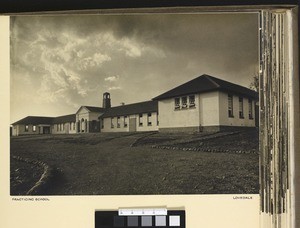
(134, 104)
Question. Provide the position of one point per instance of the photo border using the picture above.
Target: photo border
(294, 79)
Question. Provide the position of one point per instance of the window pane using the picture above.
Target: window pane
(241, 108)
(192, 101)
(149, 119)
(184, 102)
(177, 103)
(230, 105)
(140, 119)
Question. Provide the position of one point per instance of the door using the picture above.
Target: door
(46, 130)
(132, 124)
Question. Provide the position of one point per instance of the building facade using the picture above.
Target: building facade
(205, 103)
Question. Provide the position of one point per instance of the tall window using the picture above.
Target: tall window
(62, 127)
(241, 108)
(230, 105)
(112, 122)
(118, 122)
(125, 121)
(184, 102)
(177, 103)
(250, 109)
(34, 128)
(74, 125)
(140, 119)
(26, 128)
(192, 101)
(149, 119)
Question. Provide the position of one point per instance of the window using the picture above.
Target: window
(241, 108)
(74, 125)
(230, 105)
(57, 127)
(118, 122)
(192, 101)
(184, 102)
(112, 122)
(250, 109)
(149, 119)
(62, 127)
(34, 128)
(70, 125)
(125, 121)
(140, 120)
(177, 103)
(26, 128)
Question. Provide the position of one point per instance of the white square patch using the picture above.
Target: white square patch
(174, 220)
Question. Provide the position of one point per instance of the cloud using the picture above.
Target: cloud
(132, 49)
(72, 60)
(112, 78)
(114, 88)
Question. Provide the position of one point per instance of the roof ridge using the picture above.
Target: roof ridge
(65, 115)
(210, 78)
(133, 103)
(91, 106)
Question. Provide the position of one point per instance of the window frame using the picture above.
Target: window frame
(112, 122)
(241, 108)
(250, 109)
(193, 104)
(118, 122)
(149, 117)
(230, 105)
(184, 102)
(177, 103)
(125, 121)
(140, 120)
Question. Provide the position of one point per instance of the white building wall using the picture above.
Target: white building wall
(209, 109)
(20, 129)
(225, 120)
(63, 130)
(85, 114)
(145, 126)
(171, 118)
(107, 123)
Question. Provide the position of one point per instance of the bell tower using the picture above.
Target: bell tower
(106, 100)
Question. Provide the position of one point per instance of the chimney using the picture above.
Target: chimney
(106, 100)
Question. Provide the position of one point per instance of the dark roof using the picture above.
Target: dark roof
(136, 108)
(64, 119)
(35, 120)
(207, 83)
(94, 109)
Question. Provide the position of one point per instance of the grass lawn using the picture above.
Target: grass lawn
(104, 163)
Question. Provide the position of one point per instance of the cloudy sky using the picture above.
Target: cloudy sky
(59, 63)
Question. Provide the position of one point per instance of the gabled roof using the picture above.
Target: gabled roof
(92, 109)
(35, 120)
(207, 83)
(64, 119)
(136, 108)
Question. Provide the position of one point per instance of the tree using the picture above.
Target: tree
(254, 85)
